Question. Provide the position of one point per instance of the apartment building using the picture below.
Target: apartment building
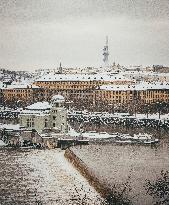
(143, 93)
(26, 93)
(78, 87)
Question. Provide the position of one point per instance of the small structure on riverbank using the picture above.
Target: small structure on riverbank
(41, 124)
(43, 116)
(48, 120)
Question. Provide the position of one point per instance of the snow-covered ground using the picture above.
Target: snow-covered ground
(2, 143)
(138, 116)
(10, 126)
(42, 177)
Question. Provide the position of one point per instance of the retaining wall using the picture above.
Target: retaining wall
(86, 172)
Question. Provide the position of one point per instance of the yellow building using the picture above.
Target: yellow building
(22, 92)
(88, 89)
(128, 94)
(78, 87)
(80, 81)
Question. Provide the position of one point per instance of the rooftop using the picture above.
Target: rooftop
(58, 98)
(20, 86)
(10, 126)
(83, 77)
(140, 86)
(39, 106)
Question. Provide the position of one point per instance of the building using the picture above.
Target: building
(92, 89)
(1, 93)
(143, 93)
(44, 116)
(115, 94)
(23, 93)
(148, 76)
(77, 87)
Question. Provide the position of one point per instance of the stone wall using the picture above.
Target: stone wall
(87, 173)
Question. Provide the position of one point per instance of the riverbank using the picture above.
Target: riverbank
(85, 171)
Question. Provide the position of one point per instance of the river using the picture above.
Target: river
(129, 166)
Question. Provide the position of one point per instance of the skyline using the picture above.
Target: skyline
(38, 34)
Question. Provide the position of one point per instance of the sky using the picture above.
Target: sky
(36, 34)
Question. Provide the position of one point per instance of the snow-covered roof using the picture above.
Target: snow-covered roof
(20, 86)
(35, 112)
(10, 126)
(145, 73)
(83, 77)
(140, 86)
(2, 143)
(58, 98)
(39, 106)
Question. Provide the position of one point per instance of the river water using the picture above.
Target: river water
(119, 165)
(41, 177)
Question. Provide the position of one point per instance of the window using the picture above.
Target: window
(30, 123)
(27, 122)
(46, 122)
(54, 117)
(53, 124)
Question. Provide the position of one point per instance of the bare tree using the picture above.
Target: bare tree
(159, 189)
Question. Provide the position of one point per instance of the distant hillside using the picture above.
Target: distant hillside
(164, 70)
(8, 75)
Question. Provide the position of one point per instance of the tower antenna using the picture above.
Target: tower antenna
(106, 53)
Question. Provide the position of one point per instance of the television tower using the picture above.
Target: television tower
(106, 53)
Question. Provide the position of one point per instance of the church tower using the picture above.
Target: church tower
(60, 68)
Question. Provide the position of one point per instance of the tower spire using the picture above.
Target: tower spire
(60, 68)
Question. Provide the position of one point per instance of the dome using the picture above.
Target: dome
(57, 99)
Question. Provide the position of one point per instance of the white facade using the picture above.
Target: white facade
(43, 116)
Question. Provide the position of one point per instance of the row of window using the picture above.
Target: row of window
(18, 90)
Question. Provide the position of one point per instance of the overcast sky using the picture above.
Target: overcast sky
(41, 33)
